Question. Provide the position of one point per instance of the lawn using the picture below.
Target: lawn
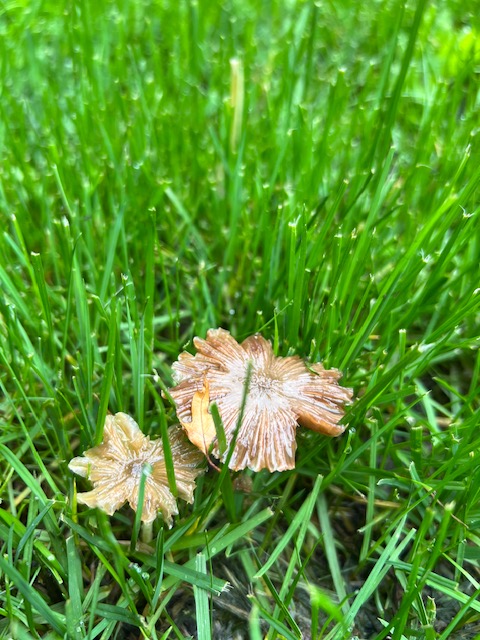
(308, 171)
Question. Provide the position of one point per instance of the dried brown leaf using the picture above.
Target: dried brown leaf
(201, 430)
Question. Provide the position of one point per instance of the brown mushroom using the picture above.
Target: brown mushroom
(281, 393)
(115, 468)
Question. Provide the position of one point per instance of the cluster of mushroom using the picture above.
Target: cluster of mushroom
(261, 398)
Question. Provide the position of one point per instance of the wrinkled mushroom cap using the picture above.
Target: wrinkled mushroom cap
(115, 469)
(282, 393)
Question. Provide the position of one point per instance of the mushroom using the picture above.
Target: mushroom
(281, 393)
(115, 469)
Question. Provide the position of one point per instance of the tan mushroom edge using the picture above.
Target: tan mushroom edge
(283, 392)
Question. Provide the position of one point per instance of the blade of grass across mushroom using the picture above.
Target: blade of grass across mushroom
(167, 452)
(160, 559)
(172, 482)
(224, 476)
(219, 430)
(227, 487)
(246, 387)
(147, 527)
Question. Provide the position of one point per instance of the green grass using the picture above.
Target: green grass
(336, 212)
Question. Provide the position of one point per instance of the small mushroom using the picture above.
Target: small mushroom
(282, 392)
(115, 469)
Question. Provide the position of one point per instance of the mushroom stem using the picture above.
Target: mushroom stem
(147, 531)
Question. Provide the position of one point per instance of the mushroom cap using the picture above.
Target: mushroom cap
(282, 392)
(116, 466)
